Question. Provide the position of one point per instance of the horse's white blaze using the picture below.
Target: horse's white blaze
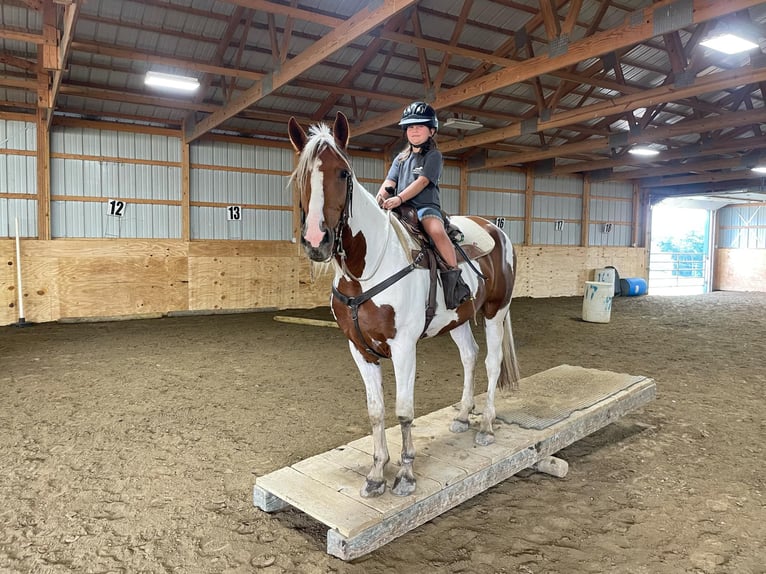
(315, 216)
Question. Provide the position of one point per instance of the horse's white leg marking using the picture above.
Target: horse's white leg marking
(315, 216)
(404, 360)
(375, 485)
(469, 351)
(494, 332)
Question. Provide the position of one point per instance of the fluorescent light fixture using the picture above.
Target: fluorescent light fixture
(759, 169)
(643, 151)
(729, 44)
(171, 81)
(461, 124)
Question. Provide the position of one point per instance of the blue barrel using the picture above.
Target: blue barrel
(632, 286)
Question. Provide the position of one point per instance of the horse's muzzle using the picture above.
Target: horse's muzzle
(322, 252)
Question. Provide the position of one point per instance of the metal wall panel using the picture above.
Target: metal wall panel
(92, 219)
(500, 180)
(238, 186)
(742, 227)
(612, 189)
(25, 210)
(617, 213)
(255, 224)
(128, 183)
(18, 135)
(18, 175)
(545, 233)
(559, 184)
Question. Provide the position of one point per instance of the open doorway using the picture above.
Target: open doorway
(679, 258)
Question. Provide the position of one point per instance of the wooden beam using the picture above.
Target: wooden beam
(647, 136)
(622, 36)
(290, 11)
(70, 17)
(701, 85)
(685, 152)
(358, 25)
(43, 176)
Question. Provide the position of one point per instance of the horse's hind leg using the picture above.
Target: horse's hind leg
(375, 483)
(469, 350)
(494, 332)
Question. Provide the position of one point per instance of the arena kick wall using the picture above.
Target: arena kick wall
(120, 222)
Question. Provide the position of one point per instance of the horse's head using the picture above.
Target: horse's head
(323, 179)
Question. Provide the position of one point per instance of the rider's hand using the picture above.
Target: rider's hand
(381, 198)
(392, 202)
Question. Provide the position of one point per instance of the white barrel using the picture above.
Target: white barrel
(597, 302)
(604, 275)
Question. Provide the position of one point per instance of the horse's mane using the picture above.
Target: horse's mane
(320, 138)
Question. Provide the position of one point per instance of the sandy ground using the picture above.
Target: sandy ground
(133, 446)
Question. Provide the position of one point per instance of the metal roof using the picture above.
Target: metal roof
(554, 90)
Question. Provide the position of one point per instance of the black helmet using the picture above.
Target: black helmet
(419, 113)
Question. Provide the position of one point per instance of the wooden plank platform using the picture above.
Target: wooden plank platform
(551, 410)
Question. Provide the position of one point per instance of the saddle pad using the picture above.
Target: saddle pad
(474, 235)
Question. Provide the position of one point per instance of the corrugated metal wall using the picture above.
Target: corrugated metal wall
(18, 177)
(742, 227)
(115, 184)
(611, 214)
(557, 211)
(499, 195)
(112, 183)
(240, 191)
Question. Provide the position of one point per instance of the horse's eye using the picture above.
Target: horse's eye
(344, 174)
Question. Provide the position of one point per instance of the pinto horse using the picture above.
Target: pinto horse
(379, 294)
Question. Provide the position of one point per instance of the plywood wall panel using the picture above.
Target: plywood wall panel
(94, 278)
(740, 270)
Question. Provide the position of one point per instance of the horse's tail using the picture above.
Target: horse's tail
(509, 368)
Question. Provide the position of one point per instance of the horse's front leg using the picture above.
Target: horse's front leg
(469, 351)
(494, 333)
(375, 484)
(404, 369)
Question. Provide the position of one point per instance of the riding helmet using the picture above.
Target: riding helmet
(419, 113)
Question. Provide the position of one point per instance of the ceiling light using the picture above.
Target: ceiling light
(759, 169)
(643, 151)
(172, 81)
(729, 44)
(461, 124)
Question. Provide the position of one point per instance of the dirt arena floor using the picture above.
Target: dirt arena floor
(133, 447)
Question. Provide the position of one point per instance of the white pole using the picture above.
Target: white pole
(18, 276)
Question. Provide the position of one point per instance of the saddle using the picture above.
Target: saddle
(469, 239)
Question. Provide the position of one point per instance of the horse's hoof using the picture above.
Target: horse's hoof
(403, 486)
(484, 438)
(372, 488)
(458, 426)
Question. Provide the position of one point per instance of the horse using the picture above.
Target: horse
(379, 294)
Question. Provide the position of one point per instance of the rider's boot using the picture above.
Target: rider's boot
(456, 291)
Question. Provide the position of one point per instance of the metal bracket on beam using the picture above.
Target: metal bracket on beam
(520, 38)
(601, 174)
(529, 126)
(684, 79)
(558, 46)
(618, 140)
(544, 166)
(477, 160)
(673, 16)
(545, 115)
(267, 84)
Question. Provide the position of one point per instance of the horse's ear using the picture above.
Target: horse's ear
(341, 131)
(297, 135)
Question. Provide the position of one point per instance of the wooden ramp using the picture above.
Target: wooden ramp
(551, 410)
